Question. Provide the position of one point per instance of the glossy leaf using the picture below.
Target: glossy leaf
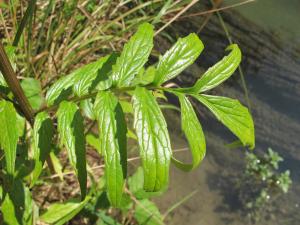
(82, 80)
(9, 134)
(233, 115)
(180, 56)
(134, 55)
(86, 75)
(135, 183)
(61, 213)
(33, 91)
(153, 138)
(92, 75)
(43, 131)
(87, 108)
(60, 90)
(145, 77)
(220, 72)
(194, 134)
(112, 133)
(71, 132)
(146, 212)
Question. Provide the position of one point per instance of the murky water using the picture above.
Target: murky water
(279, 16)
(267, 35)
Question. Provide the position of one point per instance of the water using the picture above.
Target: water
(281, 16)
(269, 36)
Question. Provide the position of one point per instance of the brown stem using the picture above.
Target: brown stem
(13, 83)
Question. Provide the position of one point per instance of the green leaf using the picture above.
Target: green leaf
(135, 183)
(9, 134)
(87, 108)
(233, 115)
(153, 138)
(83, 80)
(20, 125)
(60, 90)
(234, 144)
(104, 78)
(33, 92)
(56, 165)
(105, 219)
(180, 56)
(134, 55)
(61, 213)
(126, 106)
(94, 141)
(193, 132)
(145, 76)
(131, 134)
(43, 131)
(8, 210)
(112, 134)
(18, 206)
(94, 75)
(31, 209)
(71, 131)
(220, 72)
(147, 213)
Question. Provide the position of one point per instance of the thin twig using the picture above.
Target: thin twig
(176, 16)
(177, 204)
(136, 201)
(215, 6)
(102, 166)
(217, 9)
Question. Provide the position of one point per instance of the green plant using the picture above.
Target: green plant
(262, 183)
(101, 92)
(54, 37)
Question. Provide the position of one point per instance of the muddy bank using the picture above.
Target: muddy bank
(272, 73)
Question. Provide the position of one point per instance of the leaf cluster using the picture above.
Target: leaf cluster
(96, 91)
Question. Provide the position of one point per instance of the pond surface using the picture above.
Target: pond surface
(268, 33)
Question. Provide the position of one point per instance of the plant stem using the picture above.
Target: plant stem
(13, 83)
(177, 204)
(93, 94)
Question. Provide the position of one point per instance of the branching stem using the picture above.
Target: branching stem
(92, 95)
